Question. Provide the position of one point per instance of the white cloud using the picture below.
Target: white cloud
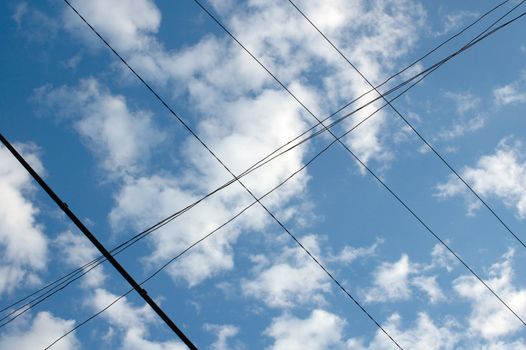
(455, 20)
(509, 94)
(391, 281)
(19, 12)
(423, 334)
(44, 329)
(464, 101)
(126, 23)
(321, 330)
(144, 201)
(468, 117)
(78, 250)
(502, 345)
(488, 317)
(349, 254)
(441, 257)
(132, 322)
(34, 26)
(501, 175)
(23, 245)
(461, 126)
(242, 114)
(291, 280)
(513, 93)
(395, 281)
(216, 72)
(223, 333)
(429, 285)
(122, 138)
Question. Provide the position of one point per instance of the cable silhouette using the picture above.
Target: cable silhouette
(66, 280)
(412, 127)
(230, 220)
(193, 133)
(369, 170)
(289, 142)
(166, 264)
(75, 220)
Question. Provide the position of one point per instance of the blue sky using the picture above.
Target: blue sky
(122, 162)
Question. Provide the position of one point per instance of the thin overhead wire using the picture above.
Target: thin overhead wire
(98, 245)
(246, 208)
(209, 150)
(62, 282)
(411, 126)
(187, 249)
(369, 170)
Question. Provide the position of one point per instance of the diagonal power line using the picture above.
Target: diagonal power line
(408, 123)
(317, 119)
(59, 284)
(233, 218)
(369, 170)
(427, 72)
(64, 207)
(70, 277)
(193, 133)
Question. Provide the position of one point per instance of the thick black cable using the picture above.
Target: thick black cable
(94, 263)
(190, 130)
(66, 280)
(369, 170)
(265, 160)
(411, 126)
(305, 132)
(156, 272)
(100, 247)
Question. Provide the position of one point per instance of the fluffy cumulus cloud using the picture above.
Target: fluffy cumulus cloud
(512, 93)
(132, 323)
(424, 333)
(122, 138)
(290, 279)
(78, 250)
(488, 317)
(23, 245)
(127, 24)
(216, 72)
(242, 114)
(391, 281)
(223, 334)
(396, 281)
(320, 330)
(41, 332)
(325, 330)
(501, 175)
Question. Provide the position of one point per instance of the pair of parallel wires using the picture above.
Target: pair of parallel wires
(337, 139)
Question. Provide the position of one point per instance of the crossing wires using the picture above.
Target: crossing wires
(362, 163)
(194, 134)
(411, 126)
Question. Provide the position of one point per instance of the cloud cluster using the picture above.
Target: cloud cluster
(289, 279)
(394, 281)
(123, 139)
(501, 175)
(23, 244)
(42, 331)
(513, 93)
(132, 323)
